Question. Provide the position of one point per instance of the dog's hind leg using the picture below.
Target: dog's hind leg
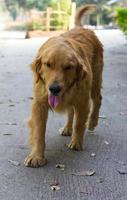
(96, 90)
(93, 121)
(96, 101)
(67, 129)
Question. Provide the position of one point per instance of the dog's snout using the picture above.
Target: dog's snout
(55, 89)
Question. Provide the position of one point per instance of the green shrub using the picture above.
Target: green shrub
(121, 16)
(59, 22)
(34, 25)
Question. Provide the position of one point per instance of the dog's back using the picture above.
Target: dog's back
(85, 42)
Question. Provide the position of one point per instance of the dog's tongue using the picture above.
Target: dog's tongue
(53, 101)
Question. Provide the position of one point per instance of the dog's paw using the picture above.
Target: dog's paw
(34, 160)
(65, 131)
(75, 145)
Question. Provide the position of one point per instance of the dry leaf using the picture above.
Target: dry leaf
(61, 130)
(102, 117)
(122, 170)
(7, 134)
(15, 163)
(7, 123)
(55, 183)
(92, 132)
(85, 173)
(106, 142)
(11, 105)
(123, 114)
(60, 166)
(55, 187)
(121, 162)
(93, 155)
(31, 98)
(100, 180)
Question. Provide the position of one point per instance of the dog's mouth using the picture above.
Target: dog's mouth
(53, 101)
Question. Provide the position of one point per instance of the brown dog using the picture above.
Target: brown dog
(67, 76)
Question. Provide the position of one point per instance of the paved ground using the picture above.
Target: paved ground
(109, 143)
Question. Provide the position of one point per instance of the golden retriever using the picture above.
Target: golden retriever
(67, 78)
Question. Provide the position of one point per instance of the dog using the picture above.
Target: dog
(67, 78)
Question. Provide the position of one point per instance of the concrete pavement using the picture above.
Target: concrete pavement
(109, 143)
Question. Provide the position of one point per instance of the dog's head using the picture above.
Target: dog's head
(59, 68)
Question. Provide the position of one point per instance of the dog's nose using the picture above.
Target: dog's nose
(55, 89)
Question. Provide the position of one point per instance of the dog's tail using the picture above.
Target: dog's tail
(86, 9)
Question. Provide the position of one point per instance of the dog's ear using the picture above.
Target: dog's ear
(36, 68)
(81, 64)
(81, 70)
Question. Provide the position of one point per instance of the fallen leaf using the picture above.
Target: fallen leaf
(123, 114)
(92, 132)
(8, 123)
(121, 171)
(7, 133)
(106, 142)
(10, 100)
(55, 187)
(13, 162)
(60, 166)
(23, 147)
(102, 117)
(93, 155)
(31, 98)
(85, 173)
(100, 179)
(54, 183)
(121, 162)
(85, 192)
(11, 105)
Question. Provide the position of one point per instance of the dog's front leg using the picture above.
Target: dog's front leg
(81, 113)
(67, 129)
(38, 128)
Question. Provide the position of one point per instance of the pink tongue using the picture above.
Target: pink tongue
(53, 101)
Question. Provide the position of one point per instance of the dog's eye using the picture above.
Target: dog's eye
(48, 65)
(67, 67)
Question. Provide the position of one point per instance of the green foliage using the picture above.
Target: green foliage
(60, 21)
(106, 19)
(39, 4)
(27, 4)
(98, 2)
(121, 16)
(12, 7)
(34, 25)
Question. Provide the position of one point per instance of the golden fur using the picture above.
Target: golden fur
(75, 61)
